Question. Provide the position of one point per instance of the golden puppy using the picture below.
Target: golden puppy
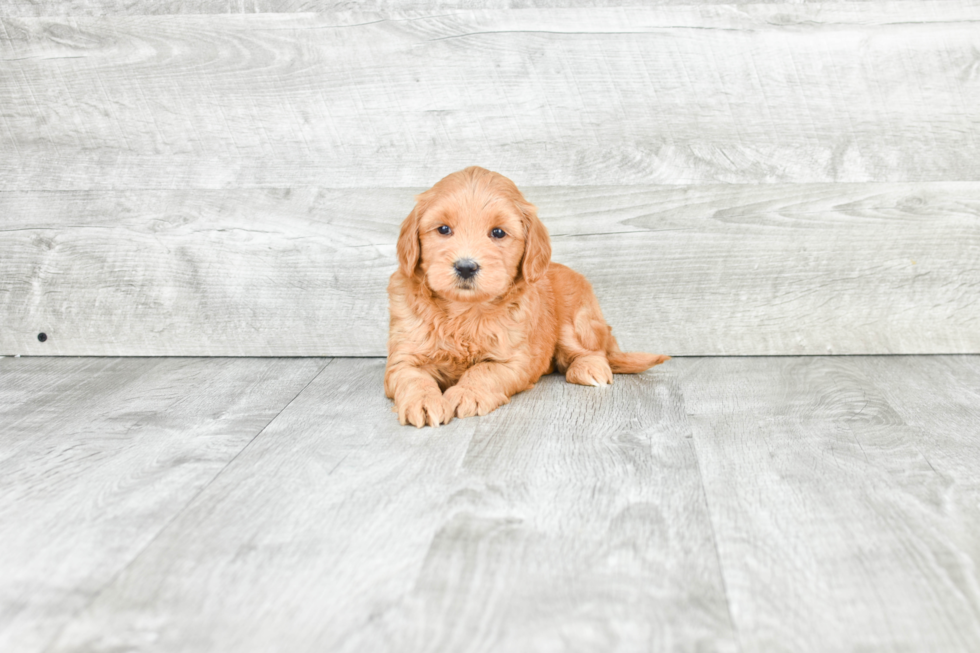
(478, 310)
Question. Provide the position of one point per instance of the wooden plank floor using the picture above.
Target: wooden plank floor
(712, 504)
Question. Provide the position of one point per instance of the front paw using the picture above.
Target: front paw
(467, 402)
(426, 408)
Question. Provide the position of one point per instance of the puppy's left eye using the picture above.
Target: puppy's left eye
(444, 230)
(497, 232)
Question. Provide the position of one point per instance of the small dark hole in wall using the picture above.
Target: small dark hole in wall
(42, 337)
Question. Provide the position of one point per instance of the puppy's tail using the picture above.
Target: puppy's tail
(633, 362)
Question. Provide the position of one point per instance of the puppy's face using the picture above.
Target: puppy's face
(473, 231)
(472, 243)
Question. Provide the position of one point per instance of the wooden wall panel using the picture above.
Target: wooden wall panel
(38, 8)
(178, 180)
(663, 95)
(728, 269)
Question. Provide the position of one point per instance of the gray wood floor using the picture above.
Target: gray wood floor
(729, 504)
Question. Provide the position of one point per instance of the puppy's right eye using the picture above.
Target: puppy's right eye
(444, 230)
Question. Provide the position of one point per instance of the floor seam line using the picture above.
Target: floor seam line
(711, 524)
(714, 538)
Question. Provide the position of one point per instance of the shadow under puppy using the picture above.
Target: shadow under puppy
(478, 310)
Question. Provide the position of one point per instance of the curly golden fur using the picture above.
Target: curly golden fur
(478, 310)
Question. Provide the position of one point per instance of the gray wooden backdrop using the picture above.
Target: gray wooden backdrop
(227, 177)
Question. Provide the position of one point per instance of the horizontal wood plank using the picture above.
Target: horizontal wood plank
(733, 269)
(847, 92)
(835, 530)
(97, 456)
(76, 8)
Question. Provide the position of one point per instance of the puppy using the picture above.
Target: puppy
(478, 310)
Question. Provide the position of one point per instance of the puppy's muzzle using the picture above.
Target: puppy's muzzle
(466, 268)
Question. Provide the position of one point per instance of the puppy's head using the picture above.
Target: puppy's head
(472, 235)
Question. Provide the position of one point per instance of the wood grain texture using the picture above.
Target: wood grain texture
(165, 273)
(734, 269)
(667, 95)
(577, 522)
(940, 398)
(76, 8)
(725, 504)
(571, 517)
(835, 530)
(97, 456)
(318, 529)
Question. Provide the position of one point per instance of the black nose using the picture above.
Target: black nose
(466, 267)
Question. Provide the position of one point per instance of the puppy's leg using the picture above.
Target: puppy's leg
(486, 386)
(418, 399)
(588, 352)
(581, 344)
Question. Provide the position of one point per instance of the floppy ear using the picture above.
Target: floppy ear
(537, 245)
(408, 247)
